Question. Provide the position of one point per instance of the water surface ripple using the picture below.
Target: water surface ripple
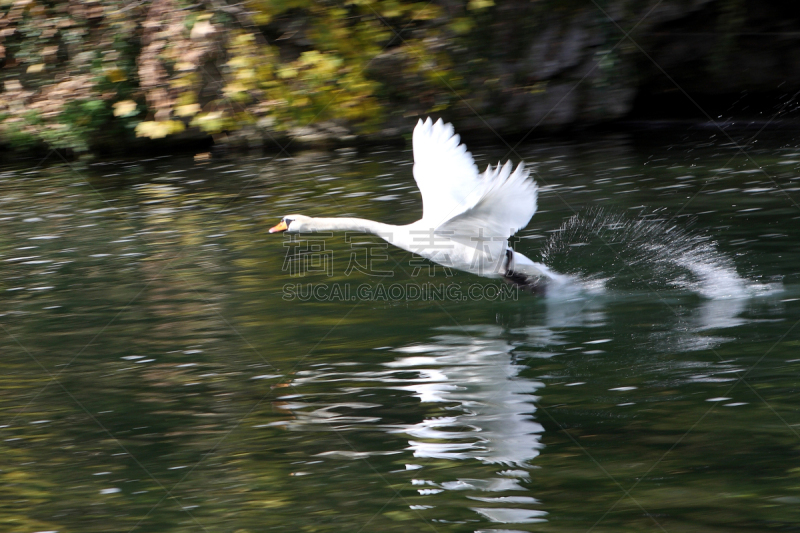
(157, 375)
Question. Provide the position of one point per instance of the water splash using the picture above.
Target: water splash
(650, 252)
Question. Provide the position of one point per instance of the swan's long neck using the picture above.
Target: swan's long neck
(352, 224)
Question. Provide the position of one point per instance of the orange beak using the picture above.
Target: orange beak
(279, 228)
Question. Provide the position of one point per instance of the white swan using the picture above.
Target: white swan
(467, 217)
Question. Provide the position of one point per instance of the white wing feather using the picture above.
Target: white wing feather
(456, 199)
(445, 173)
(507, 205)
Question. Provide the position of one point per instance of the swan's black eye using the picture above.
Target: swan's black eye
(288, 221)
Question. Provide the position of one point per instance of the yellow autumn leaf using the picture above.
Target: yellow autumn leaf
(233, 89)
(159, 129)
(310, 58)
(183, 66)
(213, 122)
(239, 62)
(479, 4)
(33, 69)
(124, 108)
(246, 74)
(187, 110)
(116, 75)
(287, 72)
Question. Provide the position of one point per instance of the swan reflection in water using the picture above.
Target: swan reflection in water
(473, 438)
(476, 415)
(488, 409)
(471, 372)
(493, 419)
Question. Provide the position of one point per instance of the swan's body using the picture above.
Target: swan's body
(467, 217)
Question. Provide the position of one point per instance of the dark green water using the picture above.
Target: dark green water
(156, 375)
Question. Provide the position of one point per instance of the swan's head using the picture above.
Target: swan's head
(292, 224)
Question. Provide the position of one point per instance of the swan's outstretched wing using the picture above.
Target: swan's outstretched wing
(480, 211)
(445, 173)
(506, 206)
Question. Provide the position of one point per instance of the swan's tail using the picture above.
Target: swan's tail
(529, 275)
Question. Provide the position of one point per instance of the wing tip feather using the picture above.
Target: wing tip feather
(433, 139)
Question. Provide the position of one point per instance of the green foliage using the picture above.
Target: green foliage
(64, 66)
(74, 71)
(328, 80)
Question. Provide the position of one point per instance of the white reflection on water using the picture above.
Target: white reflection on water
(491, 404)
(477, 408)
(474, 374)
